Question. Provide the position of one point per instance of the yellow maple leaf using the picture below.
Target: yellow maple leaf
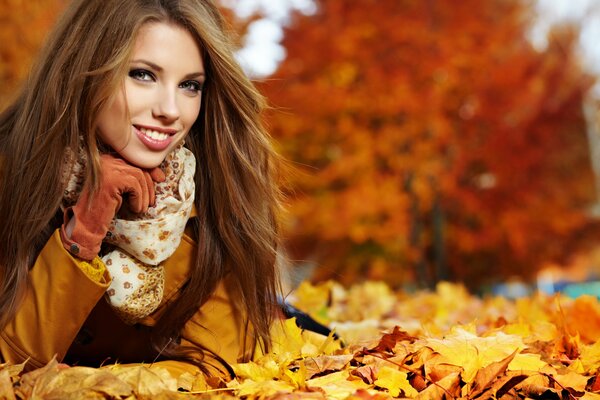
(572, 380)
(527, 362)
(395, 381)
(471, 352)
(287, 340)
(146, 381)
(260, 389)
(590, 357)
(577, 367)
(338, 385)
(264, 369)
(297, 377)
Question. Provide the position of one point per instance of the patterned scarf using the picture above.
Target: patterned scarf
(141, 242)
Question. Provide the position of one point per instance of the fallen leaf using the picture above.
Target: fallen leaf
(448, 387)
(145, 381)
(260, 389)
(337, 385)
(395, 382)
(486, 375)
(366, 373)
(471, 352)
(28, 380)
(527, 362)
(572, 380)
(262, 370)
(388, 341)
(317, 365)
(6, 387)
(503, 385)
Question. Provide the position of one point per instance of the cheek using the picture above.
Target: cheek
(112, 122)
(138, 100)
(191, 111)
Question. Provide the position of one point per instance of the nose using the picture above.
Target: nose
(166, 107)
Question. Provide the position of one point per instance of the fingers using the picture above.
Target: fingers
(150, 187)
(137, 188)
(120, 178)
(157, 175)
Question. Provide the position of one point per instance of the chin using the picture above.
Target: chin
(145, 163)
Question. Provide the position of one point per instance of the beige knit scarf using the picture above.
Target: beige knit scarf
(141, 242)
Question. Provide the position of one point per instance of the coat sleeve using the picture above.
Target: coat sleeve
(60, 294)
(219, 328)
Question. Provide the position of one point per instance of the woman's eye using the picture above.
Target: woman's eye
(141, 75)
(191, 86)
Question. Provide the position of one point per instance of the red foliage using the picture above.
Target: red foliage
(430, 140)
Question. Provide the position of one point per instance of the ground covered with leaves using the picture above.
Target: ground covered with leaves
(444, 344)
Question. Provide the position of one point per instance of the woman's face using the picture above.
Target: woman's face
(160, 98)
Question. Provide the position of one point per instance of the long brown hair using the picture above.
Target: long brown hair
(83, 63)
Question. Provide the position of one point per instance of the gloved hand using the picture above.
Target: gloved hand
(86, 224)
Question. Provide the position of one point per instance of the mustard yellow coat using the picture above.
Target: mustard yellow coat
(64, 314)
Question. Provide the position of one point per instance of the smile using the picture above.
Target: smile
(154, 134)
(153, 139)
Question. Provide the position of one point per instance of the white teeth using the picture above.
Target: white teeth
(154, 134)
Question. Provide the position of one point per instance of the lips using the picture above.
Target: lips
(154, 138)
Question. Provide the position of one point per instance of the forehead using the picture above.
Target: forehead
(169, 46)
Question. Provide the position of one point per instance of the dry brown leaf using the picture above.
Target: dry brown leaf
(81, 383)
(192, 382)
(317, 365)
(485, 376)
(28, 380)
(536, 385)
(366, 373)
(421, 357)
(437, 368)
(449, 386)
(13, 370)
(6, 387)
(504, 385)
(146, 381)
(572, 380)
(418, 382)
(388, 341)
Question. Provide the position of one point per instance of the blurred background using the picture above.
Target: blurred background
(426, 140)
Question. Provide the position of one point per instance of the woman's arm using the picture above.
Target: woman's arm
(60, 294)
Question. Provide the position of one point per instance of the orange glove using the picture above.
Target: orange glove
(86, 224)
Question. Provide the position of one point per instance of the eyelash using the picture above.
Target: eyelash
(143, 75)
(137, 73)
(196, 86)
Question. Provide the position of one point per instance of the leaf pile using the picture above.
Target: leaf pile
(432, 345)
(445, 344)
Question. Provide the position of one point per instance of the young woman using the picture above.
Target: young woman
(137, 196)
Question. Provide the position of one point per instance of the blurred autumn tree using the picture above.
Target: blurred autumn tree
(431, 140)
(23, 28)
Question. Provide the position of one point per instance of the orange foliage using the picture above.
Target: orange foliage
(24, 26)
(430, 140)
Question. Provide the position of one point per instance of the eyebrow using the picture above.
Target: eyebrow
(158, 68)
